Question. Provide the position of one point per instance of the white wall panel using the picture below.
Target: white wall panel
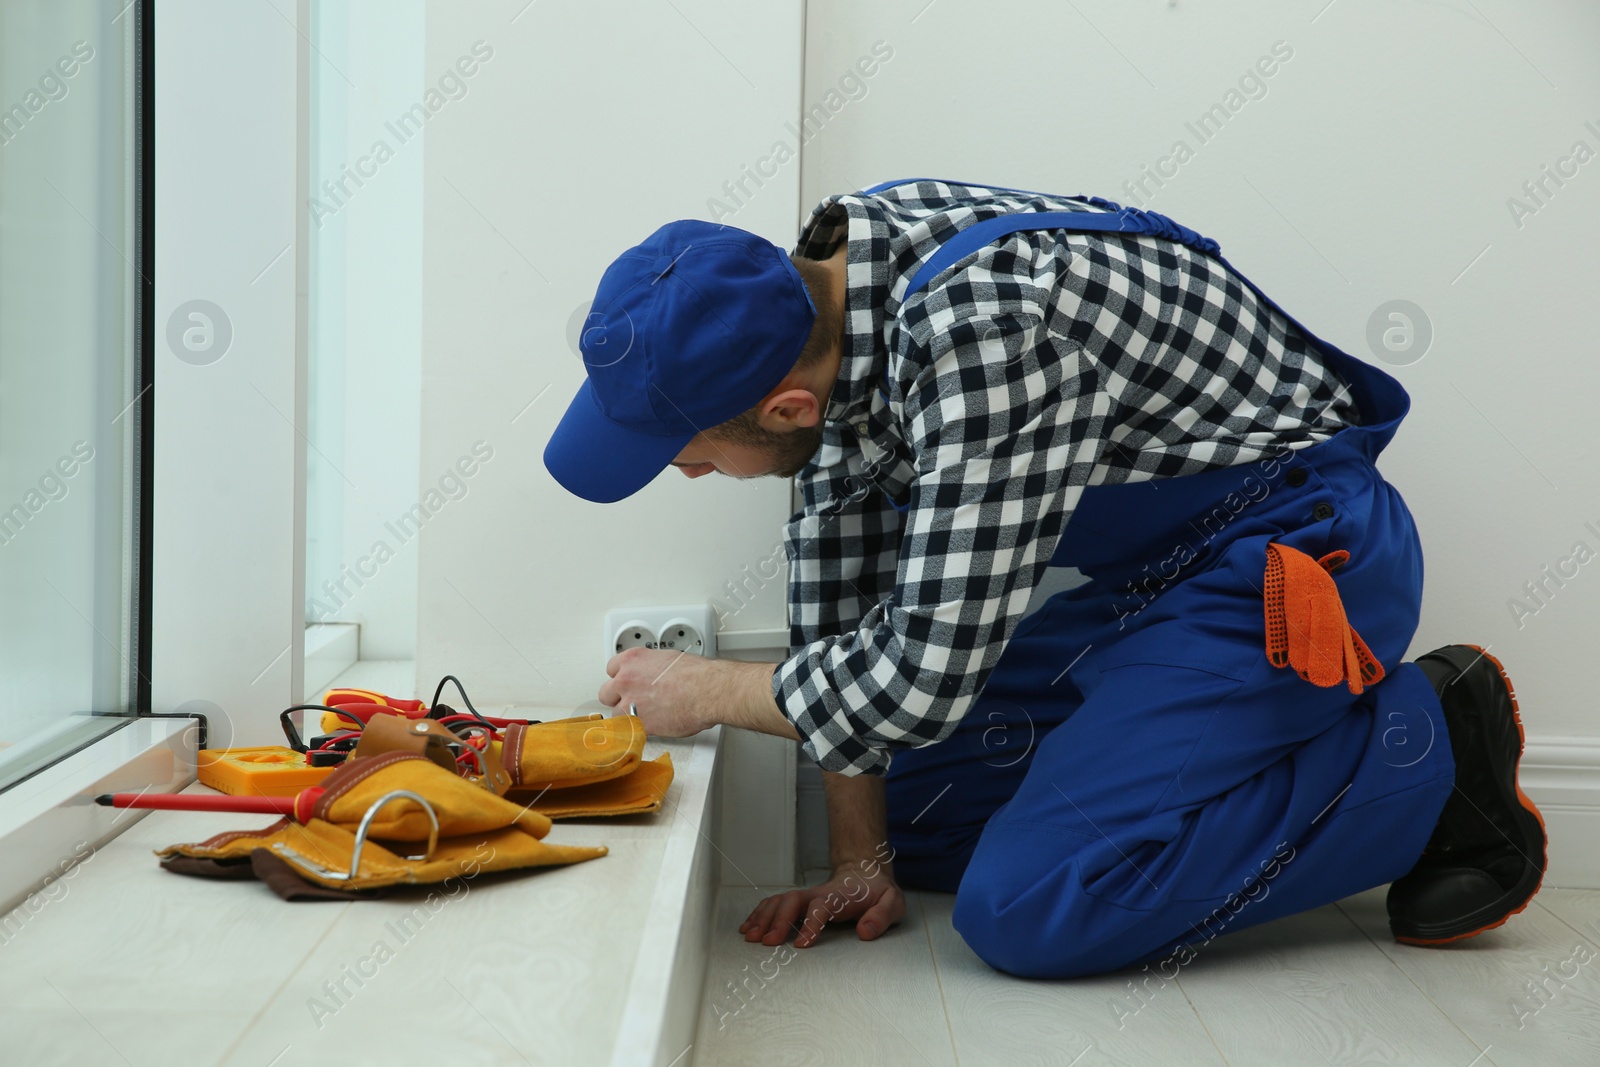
(229, 446)
(1381, 159)
(582, 129)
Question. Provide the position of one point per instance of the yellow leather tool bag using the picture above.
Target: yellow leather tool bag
(568, 752)
(572, 768)
(538, 755)
(564, 769)
(580, 767)
(382, 821)
(638, 792)
(424, 737)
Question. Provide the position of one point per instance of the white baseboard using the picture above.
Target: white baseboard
(1562, 775)
(331, 649)
(756, 828)
(756, 821)
(811, 814)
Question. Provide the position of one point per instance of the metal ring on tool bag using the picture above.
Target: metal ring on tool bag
(361, 839)
(480, 755)
(372, 813)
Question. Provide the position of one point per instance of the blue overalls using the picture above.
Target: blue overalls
(1135, 777)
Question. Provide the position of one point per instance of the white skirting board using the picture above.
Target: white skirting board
(757, 824)
(332, 648)
(1562, 775)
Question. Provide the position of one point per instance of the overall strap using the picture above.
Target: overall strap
(1113, 219)
(1117, 219)
(881, 186)
(1378, 391)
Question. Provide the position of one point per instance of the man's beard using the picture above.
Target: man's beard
(790, 452)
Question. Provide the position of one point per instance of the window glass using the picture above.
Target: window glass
(70, 394)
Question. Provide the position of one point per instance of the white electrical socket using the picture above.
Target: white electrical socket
(635, 633)
(682, 635)
(685, 628)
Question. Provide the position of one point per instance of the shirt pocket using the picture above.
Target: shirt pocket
(885, 457)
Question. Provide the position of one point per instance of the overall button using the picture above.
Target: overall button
(1296, 477)
(1322, 511)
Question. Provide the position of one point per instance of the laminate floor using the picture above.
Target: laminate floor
(1328, 987)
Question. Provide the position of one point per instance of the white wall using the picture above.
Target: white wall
(365, 362)
(1377, 166)
(586, 128)
(229, 578)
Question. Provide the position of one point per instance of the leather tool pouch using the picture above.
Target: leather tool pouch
(572, 768)
(564, 768)
(383, 821)
(430, 739)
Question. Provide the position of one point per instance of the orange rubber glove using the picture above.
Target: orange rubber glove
(1306, 624)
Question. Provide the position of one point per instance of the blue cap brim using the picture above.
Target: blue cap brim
(597, 459)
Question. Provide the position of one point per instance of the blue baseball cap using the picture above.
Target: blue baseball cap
(688, 329)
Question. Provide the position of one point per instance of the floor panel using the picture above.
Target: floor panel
(842, 1001)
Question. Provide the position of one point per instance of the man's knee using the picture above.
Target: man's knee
(1019, 920)
(1020, 941)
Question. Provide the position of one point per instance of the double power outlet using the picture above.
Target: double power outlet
(687, 628)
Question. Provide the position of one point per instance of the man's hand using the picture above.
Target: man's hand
(669, 689)
(860, 889)
(863, 891)
(677, 694)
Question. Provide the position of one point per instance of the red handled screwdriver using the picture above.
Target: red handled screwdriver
(297, 807)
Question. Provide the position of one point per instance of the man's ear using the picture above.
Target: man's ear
(790, 408)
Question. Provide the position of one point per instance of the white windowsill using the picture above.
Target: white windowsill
(601, 962)
(50, 821)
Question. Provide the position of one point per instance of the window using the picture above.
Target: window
(74, 282)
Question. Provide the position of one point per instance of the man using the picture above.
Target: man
(971, 384)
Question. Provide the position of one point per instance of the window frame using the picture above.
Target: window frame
(220, 213)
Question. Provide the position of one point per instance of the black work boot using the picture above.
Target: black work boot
(1486, 857)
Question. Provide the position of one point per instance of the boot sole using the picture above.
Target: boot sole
(1517, 898)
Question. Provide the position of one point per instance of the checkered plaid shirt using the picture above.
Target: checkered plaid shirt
(1051, 362)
